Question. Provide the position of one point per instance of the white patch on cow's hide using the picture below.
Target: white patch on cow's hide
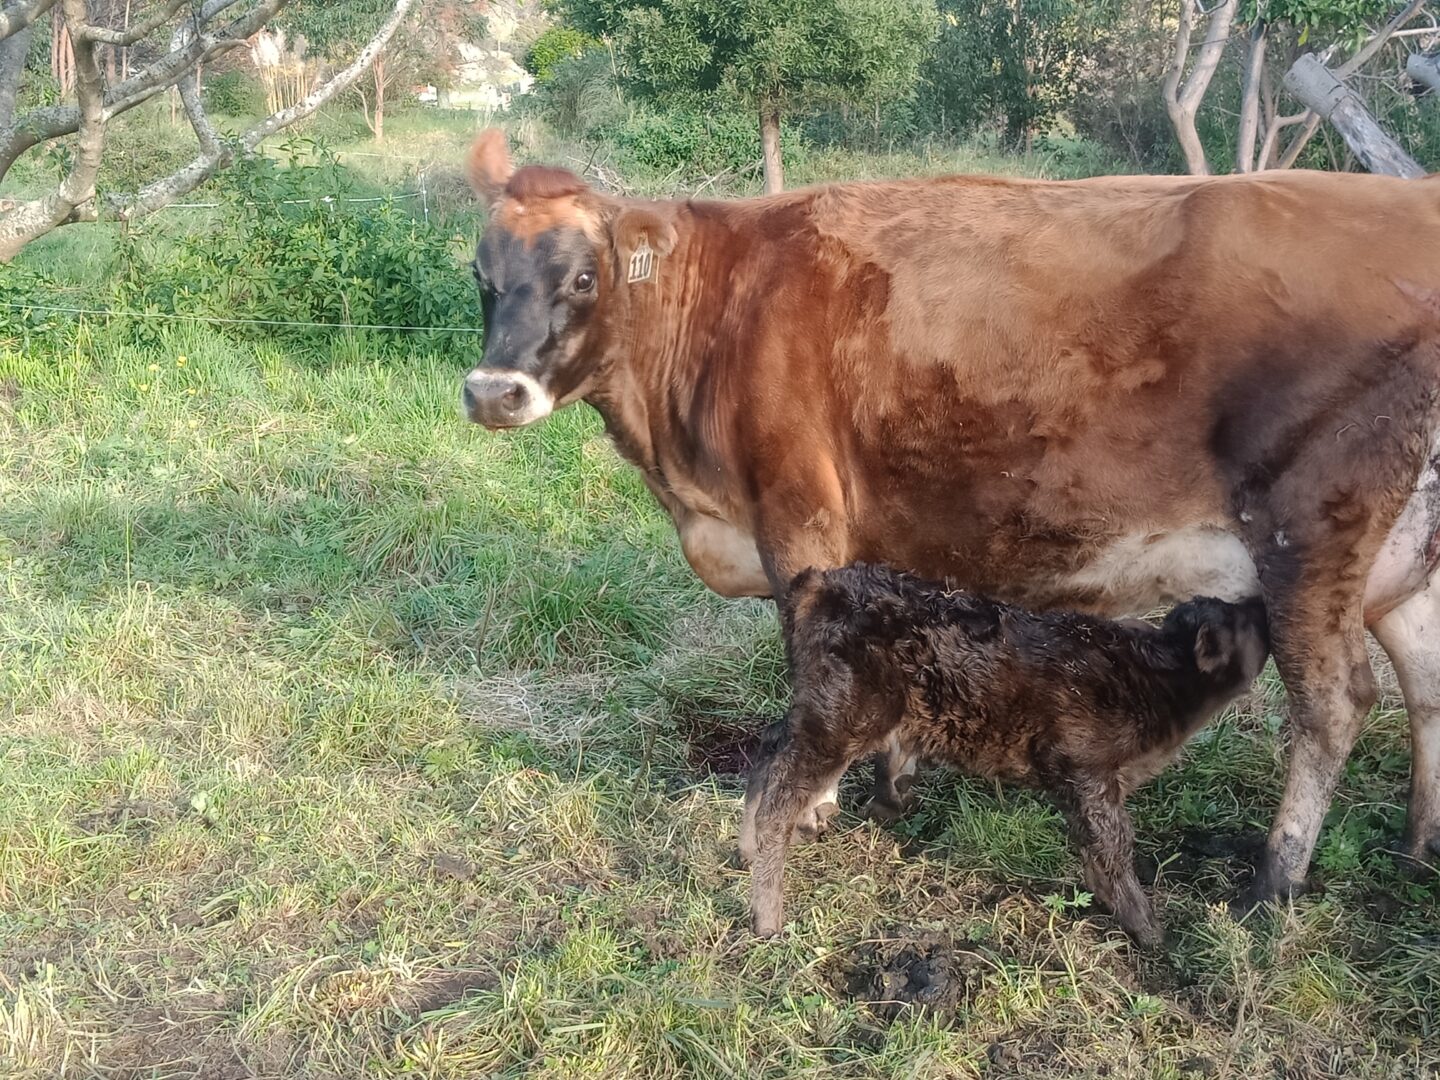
(1139, 572)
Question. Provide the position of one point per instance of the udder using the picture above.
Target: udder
(724, 557)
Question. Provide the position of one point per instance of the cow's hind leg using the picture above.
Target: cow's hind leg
(1410, 636)
(1332, 689)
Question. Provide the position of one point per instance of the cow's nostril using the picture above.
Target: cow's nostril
(514, 397)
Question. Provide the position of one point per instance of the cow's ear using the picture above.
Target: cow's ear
(488, 166)
(650, 224)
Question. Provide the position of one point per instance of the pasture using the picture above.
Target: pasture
(341, 738)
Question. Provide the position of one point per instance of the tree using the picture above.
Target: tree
(773, 55)
(197, 32)
(1276, 34)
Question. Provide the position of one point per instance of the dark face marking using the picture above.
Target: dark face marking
(539, 296)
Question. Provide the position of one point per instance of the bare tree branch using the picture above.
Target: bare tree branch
(136, 32)
(38, 216)
(1374, 45)
(16, 17)
(1245, 158)
(162, 193)
(52, 122)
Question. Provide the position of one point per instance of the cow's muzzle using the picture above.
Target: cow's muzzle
(504, 399)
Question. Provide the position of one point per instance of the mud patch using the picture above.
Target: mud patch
(926, 970)
(134, 816)
(448, 988)
(1187, 858)
(725, 748)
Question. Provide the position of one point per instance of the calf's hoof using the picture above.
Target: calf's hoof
(813, 823)
(1419, 857)
(886, 811)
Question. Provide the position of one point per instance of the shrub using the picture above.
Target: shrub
(289, 246)
(580, 97)
(553, 47)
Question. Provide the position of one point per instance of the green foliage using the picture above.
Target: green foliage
(780, 52)
(556, 44)
(580, 96)
(234, 93)
(689, 143)
(1014, 66)
(289, 245)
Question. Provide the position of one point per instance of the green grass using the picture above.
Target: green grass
(340, 738)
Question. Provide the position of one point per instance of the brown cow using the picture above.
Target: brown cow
(1100, 394)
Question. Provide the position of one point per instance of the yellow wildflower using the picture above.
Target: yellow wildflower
(180, 361)
(153, 367)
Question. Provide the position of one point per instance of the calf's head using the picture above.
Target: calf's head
(1230, 641)
(554, 267)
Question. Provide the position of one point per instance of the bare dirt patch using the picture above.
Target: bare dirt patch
(925, 969)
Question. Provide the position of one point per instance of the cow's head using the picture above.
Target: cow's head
(554, 269)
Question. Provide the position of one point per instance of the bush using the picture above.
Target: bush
(553, 47)
(579, 96)
(289, 247)
(691, 143)
(234, 93)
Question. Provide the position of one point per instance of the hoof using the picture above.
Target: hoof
(763, 928)
(810, 828)
(884, 811)
(1417, 858)
(1265, 890)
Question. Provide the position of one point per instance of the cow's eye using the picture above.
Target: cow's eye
(584, 281)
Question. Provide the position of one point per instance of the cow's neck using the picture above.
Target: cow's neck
(652, 397)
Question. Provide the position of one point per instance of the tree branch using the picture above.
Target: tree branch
(17, 16)
(161, 193)
(138, 31)
(1374, 45)
(52, 122)
(38, 216)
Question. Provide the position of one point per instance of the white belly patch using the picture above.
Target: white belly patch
(1139, 572)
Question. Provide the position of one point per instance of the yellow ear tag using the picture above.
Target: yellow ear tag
(642, 262)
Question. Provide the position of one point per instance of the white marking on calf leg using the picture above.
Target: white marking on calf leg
(1410, 636)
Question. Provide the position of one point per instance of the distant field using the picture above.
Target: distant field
(339, 738)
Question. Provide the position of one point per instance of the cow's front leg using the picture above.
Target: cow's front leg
(1332, 689)
(803, 524)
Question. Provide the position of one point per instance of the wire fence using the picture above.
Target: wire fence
(219, 320)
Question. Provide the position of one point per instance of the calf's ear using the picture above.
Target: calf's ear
(1211, 648)
(636, 224)
(488, 166)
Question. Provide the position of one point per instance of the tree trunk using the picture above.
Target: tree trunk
(1423, 69)
(770, 148)
(1316, 85)
(1183, 94)
(13, 51)
(1250, 101)
(378, 71)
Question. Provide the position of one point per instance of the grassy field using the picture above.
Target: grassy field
(339, 738)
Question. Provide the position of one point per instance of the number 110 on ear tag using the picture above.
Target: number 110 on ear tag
(642, 262)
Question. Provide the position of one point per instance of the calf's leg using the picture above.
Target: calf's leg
(1410, 636)
(895, 769)
(781, 792)
(1101, 825)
